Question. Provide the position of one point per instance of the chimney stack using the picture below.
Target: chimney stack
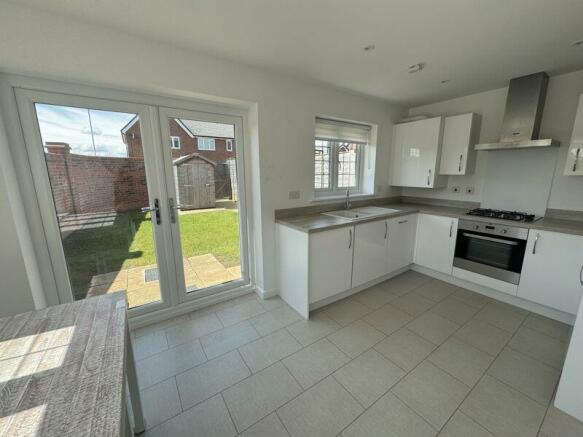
(57, 148)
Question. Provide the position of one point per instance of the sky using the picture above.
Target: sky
(71, 125)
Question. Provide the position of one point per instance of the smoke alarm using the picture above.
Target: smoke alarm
(416, 67)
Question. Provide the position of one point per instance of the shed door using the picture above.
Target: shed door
(196, 185)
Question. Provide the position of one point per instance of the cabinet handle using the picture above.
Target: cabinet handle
(429, 177)
(350, 238)
(386, 229)
(535, 243)
(581, 275)
(451, 229)
(403, 221)
(576, 159)
(460, 166)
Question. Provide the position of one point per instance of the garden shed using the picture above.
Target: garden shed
(194, 179)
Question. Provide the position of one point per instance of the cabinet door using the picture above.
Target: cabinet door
(401, 242)
(416, 151)
(435, 242)
(330, 262)
(370, 253)
(457, 150)
(552, 270)
(574, 163)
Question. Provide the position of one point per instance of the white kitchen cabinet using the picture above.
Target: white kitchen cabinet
(460, 134)
(435, 242)
(552, 272)
(574, 163)
(370, 251)
(417, 153)
(401, 241)
(330, 262)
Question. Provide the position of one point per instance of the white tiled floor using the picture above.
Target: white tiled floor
(412, 356)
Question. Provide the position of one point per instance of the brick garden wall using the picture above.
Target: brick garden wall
(89, 184)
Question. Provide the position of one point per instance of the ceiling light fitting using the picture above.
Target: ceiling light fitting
(369, 48)
(416, 67)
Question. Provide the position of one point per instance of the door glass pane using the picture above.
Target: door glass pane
(98, 180)
(205, 179)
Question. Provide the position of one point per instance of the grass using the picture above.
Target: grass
(130, 243)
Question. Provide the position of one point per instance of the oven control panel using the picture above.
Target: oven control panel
(494, 229)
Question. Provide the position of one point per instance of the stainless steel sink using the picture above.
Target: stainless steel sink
(356, 213)
(375, 210)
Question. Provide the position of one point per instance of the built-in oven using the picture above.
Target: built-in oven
(490, 249)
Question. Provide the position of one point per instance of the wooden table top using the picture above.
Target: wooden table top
(62, 369)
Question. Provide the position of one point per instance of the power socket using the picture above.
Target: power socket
(293, 195)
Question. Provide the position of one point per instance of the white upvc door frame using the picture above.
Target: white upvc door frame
(154, 164)
(165, 114)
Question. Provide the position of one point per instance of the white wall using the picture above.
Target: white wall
(40, 44)
(558, 117)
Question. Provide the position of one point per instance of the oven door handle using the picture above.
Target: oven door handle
(496, 240)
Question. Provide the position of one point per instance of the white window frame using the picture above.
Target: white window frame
(172, 145)
(229, 145)
(334, 189)
(212, 144)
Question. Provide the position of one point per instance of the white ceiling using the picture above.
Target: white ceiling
(476, 44)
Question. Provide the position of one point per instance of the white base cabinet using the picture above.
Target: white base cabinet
(552, 272)
(435, 242)
(401, 241)
(370, 251)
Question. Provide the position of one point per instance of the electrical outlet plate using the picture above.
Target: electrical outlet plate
(293, 195)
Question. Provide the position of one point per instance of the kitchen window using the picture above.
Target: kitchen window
(206, 143)
(175, 142)
(339, 149)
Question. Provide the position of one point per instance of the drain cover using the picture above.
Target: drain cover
(151, 274)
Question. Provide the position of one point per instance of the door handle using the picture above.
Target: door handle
(350, 238)
(155, 209)
(460, 166)
(535, 243)
(386, 229)
(576, 159)
(451, 229)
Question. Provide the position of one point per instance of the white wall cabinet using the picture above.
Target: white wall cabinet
(435, 242)
(574, 163)
(417, 153)
(370, 251)
(552, 272)
(401, 241)
(460, 134)
(330, 262)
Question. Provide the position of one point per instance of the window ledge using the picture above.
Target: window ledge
(336, 197)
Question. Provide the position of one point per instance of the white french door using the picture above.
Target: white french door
(137, 197)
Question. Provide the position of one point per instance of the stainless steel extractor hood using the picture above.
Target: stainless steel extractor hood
(523, 114)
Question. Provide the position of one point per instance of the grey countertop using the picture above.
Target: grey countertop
(321, 222)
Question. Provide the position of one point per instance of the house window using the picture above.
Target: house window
(339, 149)
(206, 143)
(229, 145)
(175, 142)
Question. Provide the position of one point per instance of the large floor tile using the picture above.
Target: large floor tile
(501, 316)
(471, 298)
(435, 290)
(412, 303)
(324, 410)
(271, 303)
(260, 394)
(208, 379)
(169, 363)
(160, 326)
(539, 346)
(502, 410)
(368, 377)
(356, 338)
(267, 350)
(227, 339)
(405, 348)
(270, 426)
(238, 313)
(550, 327)
(432, 393)
(315, 362)
(209, 419)
(461, 360)
(433, 327)
(483, 336)
(375, 297)
(461, 425)
(455, 310)
(346, 311)
(196, 327)
(160, 402)
(560, 424)
(274, 320)
(391, 418)
(527, 375)
(308, 331)
(387, 319)
(405, 282)
(149, 344)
